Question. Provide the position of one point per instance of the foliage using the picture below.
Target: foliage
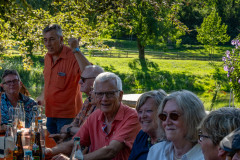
(232, 66)
(229, 11)
(212, 32)
(22, 26)
(150, 21)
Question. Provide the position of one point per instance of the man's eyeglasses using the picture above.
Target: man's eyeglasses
(172, 116)
(84, 79)
(15, 81)
(108, 94)
(201, 137)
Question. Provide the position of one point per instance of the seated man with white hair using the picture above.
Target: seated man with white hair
(110, 131)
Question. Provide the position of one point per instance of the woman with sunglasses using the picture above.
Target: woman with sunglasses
(147, 106)
(180, 113)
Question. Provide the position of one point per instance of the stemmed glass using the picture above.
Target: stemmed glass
(13, 114)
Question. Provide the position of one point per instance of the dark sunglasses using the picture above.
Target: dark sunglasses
(84, 79)
(172, 116)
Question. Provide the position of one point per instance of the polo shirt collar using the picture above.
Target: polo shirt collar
(119, 116)
(63, 53)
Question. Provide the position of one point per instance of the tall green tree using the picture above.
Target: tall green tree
(212, 32)
(151, 21)
(229, 11)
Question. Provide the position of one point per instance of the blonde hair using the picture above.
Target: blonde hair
(156, 95)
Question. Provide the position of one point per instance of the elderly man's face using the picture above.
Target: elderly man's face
(107, 96)
(86, 81)
(53, 42)
(11, 84)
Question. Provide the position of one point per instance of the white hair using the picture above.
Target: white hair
(106, 76)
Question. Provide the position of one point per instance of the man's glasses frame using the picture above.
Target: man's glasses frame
(15, 81)
(108, 94)
(84, 79)
(173, 116)
(201, 137)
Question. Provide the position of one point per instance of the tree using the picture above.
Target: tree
(22, 25)
(212, 32)
(151, 21)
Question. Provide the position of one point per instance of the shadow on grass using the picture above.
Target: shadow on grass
(147, 76)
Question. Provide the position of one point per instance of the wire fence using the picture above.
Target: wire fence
(153, 54)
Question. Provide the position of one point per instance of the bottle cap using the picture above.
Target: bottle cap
(76, 138)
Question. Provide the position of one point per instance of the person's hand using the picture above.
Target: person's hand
(74, 42)
(60, 157)
(40, 100)
(48, 153)
(64, 128)
(85, 151)
(59, 137)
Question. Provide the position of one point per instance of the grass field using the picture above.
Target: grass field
(200, 77)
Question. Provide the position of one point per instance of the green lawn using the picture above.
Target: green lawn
(170, 75)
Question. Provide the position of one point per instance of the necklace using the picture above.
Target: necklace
(150, 142)
(175, 157)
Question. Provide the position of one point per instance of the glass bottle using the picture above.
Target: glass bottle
(18, 153)
(76, 152)
(37, 149)
(42, 137)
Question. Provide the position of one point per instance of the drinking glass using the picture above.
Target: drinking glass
(21, 117)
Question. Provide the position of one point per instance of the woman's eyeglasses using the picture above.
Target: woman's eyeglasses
(172, 116)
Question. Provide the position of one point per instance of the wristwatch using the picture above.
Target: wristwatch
(69, 129)
(76, 50)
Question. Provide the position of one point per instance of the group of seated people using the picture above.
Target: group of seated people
(163, 126)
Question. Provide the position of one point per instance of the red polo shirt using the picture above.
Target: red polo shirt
(61, 89)
(125, 128)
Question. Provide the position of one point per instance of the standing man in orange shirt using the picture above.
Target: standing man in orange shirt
(62, 71)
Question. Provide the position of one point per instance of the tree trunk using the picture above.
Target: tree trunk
(140, 50)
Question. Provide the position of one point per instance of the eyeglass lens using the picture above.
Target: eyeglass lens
(172, 116)
(108, 94)
(11, 82)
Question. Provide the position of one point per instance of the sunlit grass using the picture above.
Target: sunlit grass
(170, 75)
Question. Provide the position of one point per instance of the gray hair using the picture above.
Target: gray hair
(156, 95)
(10, 72)
(55, 27)
(192, 108)
(219, 123)
(95, 70)
(106, 76)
